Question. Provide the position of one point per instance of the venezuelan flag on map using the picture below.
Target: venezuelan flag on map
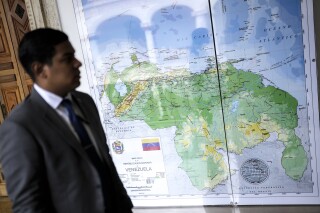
(150, 144)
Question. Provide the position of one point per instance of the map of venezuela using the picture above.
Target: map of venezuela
(192, 103)
(223, 92)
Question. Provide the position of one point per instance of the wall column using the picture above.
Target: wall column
(43, 13)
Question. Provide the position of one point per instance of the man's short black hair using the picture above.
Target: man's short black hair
(39, 46)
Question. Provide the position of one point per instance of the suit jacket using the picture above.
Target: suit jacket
(45, 167)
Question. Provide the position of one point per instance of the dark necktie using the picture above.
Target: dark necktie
(82, 133)
(91, 152)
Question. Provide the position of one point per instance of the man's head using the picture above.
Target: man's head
(48, 57)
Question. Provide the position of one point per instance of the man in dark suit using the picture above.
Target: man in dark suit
(52, 146)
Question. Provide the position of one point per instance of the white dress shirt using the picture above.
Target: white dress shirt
(55, 102)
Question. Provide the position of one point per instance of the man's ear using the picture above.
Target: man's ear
(38, 70)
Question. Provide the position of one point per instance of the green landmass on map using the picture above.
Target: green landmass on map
(192, 103)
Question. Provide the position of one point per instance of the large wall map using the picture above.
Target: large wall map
(205, 101)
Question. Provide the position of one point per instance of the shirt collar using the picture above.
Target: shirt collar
(55, 100)
(52, 99)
